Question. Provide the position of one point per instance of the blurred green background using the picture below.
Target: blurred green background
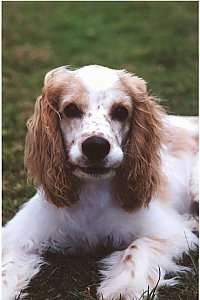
(155, 40)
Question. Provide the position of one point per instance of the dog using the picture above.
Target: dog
(108, 162)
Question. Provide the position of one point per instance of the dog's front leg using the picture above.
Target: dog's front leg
(25, 238)
(130, 273)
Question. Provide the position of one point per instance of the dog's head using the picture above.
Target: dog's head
(90, 124)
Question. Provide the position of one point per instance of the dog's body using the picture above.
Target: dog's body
(150, 223)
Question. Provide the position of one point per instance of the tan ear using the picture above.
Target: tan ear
(45, 155)
(57, 75)
(139, 175)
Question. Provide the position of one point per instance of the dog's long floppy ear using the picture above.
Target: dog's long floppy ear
(45, 156)
(139, 177)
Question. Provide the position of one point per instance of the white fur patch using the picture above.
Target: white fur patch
(97, 78)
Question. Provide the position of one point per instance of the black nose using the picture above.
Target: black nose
(95, 148)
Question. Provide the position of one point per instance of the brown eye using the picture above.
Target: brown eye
(119, 113)
(72, 111)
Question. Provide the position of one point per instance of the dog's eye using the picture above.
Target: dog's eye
(72, 111)
(119, 113)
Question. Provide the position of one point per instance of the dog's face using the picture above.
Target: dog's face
(95, 121)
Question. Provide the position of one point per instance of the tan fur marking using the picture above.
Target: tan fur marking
(74, 93)
(180, 140)
(128, 258)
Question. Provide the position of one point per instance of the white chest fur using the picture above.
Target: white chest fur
(96, 217)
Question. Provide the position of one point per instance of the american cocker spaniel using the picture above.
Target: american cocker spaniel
(108, 163)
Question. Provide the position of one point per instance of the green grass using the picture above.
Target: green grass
(156, 40)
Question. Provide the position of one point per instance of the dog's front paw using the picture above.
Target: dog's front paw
(9, 284)
(120, 285)
(114, 290)
(122, 280)
(17, 271)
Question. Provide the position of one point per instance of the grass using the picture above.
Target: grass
(156, 40)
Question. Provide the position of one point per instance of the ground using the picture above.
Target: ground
(155, 40)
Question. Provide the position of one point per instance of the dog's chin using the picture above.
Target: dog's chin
(94, 173)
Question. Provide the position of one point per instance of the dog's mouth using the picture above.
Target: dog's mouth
(94, 172)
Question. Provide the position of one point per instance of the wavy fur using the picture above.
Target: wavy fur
(45, 153)
(139, 177)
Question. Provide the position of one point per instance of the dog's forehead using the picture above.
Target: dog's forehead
(97, 78)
